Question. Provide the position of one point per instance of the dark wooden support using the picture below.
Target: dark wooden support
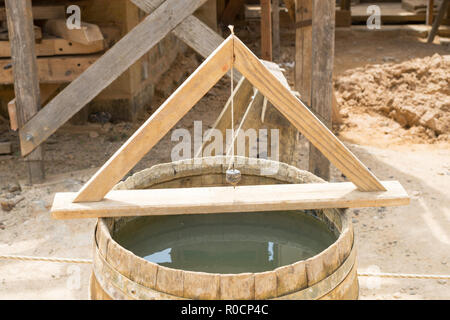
(430, 11)
(26, 83)
(438, 20)
(231, 11)
(303, 49)
(266, 30)
(276, 28)
(323, 34)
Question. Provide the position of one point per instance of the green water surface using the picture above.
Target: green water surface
(227, 243)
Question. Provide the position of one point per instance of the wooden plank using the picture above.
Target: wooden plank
(12, 111)
(26, 83)
(61, 69)
(56, 47)
(42, 12)
(227, 199)
(303, 119)
(430, 12)
(276, 29)
(4, 35)
(87, 34)
(390, 13)
(191, 30)
(290, 5)
(154, 129)
(303, 49)
(104, 71)
(5, 148)
(231, 10)
(266, 30)
(323, 33)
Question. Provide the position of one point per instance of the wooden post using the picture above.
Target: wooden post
(26, 82)
(303, 50)
(323, 33)
(276, 29)
(345, 4)
(266, 30)
(430, 11)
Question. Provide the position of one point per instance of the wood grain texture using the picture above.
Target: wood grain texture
(170, 112)
(55, 69)
(303, 119)
(25, 71)
(108, 68)
(323, 31)
(87, 34)
(303, 50)
(228, 199)
(266, 30)
(55, 47)
(231, 11)
(42, 12)
(196, 34)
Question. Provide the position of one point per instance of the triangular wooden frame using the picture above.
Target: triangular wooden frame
(187, 95)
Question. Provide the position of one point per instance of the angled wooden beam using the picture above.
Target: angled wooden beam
(191, 31)
(104, 71)
(227, 199)
(154, 129)
(303, 119)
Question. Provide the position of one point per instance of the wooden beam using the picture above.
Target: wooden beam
(62, 69)
(276, 29)
(12, 111)
(42, 12)
(105, 70)
(5, 148)
(290, 5)
(191, 31)
(88, 33)
(154, 129)
(266, 30)
(56, 47)
(303, 119)
(26, 82)
(303, 49)
(323, 33)
(231, 11)
(430, 12)
(257, 198)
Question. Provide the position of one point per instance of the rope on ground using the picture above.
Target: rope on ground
(403, 275)
(42, 259)
(360, 274)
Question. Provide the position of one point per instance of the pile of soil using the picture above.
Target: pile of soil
(414, 93)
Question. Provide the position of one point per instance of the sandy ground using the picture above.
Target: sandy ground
(413, 239)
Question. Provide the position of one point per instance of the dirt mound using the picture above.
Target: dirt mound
(414, 93)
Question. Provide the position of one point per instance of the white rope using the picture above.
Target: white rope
(44, 259)
(403, 275)
(232, 100)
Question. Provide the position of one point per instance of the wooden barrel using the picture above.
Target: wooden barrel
(120, 274)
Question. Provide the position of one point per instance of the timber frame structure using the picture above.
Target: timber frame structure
(366, 189)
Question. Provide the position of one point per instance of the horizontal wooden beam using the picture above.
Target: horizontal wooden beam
(228, 199)
(52, 69)
(56, 47)
(87, 34)
(42, 12)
